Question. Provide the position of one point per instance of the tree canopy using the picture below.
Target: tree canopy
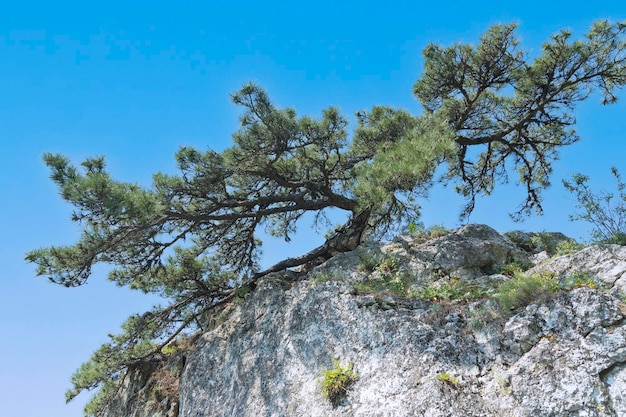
(192, 238)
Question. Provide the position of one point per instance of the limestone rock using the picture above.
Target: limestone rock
(468, 253)
(149, 390)
(563, 357)
(604, 262)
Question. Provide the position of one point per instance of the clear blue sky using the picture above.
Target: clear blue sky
(136, 80)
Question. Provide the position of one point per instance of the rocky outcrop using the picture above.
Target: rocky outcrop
(149, 389)
(604, 262)
(413, 356)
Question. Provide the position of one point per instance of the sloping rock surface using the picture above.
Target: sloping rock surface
(564, 357)
(605, 262)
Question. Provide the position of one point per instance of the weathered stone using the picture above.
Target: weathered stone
(564, 357)
(604, 262)
(468, 253)
(537, 242)
(149, 390)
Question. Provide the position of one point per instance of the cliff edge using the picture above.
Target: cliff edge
(420, 322)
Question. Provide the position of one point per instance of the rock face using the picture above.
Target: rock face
(149, 390)
(605, 262)
(417, 357)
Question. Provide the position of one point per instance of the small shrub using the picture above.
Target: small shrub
(437, 231)
(522, 290)
(482, 315)
(323, 277)
(606, 212)
(170, 349)
(385, 277)
(545, 242)
(447, 378)
(420, 232)
(455, 289)
(389, 265)
(579, 279)
(514, 268)
(568, 246)
(395, 284)
(618, 238)
(368, 264)
(335, 382)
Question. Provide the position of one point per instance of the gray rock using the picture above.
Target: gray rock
(469, 253)
(604, 262)
(149, 390)
(565, 357)
(562, 358)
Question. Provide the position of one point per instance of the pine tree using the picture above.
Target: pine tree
(192, 238)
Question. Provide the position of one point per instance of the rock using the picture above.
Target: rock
(604, 262)
(149, 390)
(538, 242)
(562, 358)
(469, 253)
(565, 356)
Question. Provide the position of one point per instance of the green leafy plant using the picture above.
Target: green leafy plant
(482, 315)
(384, 278)
(453, 289)
(579, 279)
(606, 212)
(448, 379)
(545, 242)
(523, 289)
(568, 246)
(419, 231)
(336, 381)
(368, 263)
(389, 265)
(323, 277)
(512, 268)
(395, 284)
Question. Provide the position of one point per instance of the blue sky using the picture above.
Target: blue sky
(136, 80)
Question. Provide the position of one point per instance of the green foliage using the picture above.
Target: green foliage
(324, 277)
(453, 289)
(606, 212)
(335, 382)
(191, 237)
(394, 284)
(514, 268)
(368, 263)
(522, 290)
(544, 242)
(389, 265)
(483, 314)
(568, 246)
(420, 232)
(448, 379)
(469, 87)
(579, 279)
(384, 276)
